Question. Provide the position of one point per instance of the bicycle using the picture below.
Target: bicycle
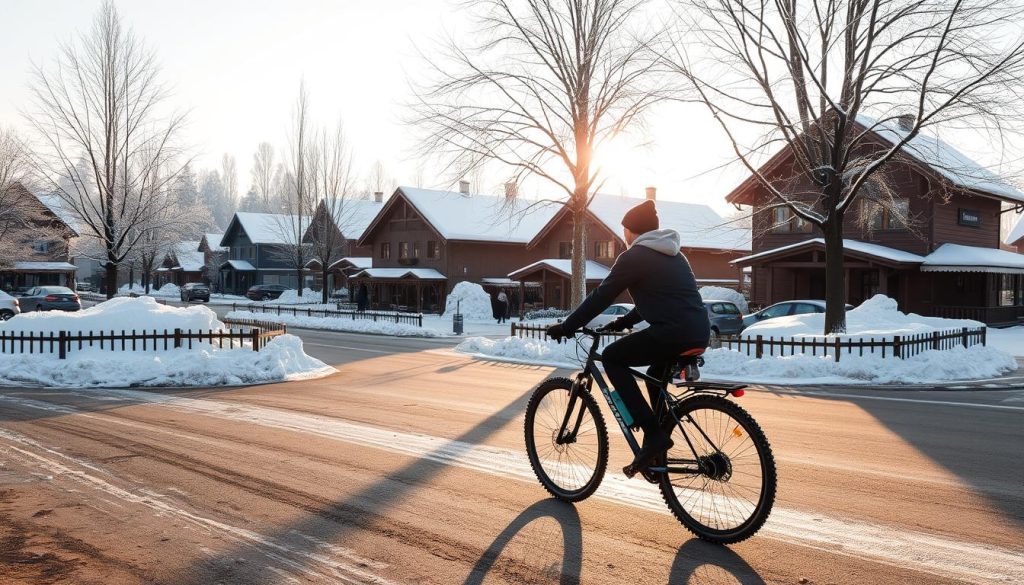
(707, 479)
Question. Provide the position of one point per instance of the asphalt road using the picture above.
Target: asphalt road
(407, 466)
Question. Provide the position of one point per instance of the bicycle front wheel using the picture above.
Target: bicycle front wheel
(721, 475)
(569, 467)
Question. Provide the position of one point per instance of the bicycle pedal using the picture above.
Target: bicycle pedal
(628, 471)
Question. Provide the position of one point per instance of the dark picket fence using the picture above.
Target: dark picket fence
(900, 346)
(240, 332)
(527, 331)
(383, 316)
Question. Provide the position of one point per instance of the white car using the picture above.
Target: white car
(9, 306)
(612, 313)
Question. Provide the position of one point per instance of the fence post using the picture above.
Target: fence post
(513, 334)
(897, 350)
(759, 351)
(984, 336)
(419, 320)
(256, 339)
(62, 343)
(935, 340)
(177, 337)
(837, 348)
(963, 336)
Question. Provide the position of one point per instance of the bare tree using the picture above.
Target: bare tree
(228, 202)
(332, 184)
(802, 78)
(263, 176)
(17, 212)
(379, 180)
(102, 100)
(548, 84)
(298, 203)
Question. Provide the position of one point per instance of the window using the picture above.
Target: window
(433, 250)
(603, 249)
(724, 309)
(40, 247)
(805, 309)
(385, 250)
(565, 250)
(773, 311)
(785, 221)
(869, 284)
(877, 217)
(1009, 290)
(403, 250)
(416, 250)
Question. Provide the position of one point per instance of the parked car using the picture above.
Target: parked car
(195, 291)
(725, 318)
(612, 313)
(785, 308)
(50, 298)
(265, 292)
(84, 287)
(9, 306)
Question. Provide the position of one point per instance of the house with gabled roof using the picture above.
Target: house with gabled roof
(347, 218)
(260, 251)
(38, 231)
(945, 262)
(185, 262)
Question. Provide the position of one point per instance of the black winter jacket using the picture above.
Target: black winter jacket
(662, 285)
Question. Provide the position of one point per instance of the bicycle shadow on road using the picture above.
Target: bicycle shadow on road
(542, 535)
(702, 562)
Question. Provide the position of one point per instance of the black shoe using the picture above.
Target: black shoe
(653, 446)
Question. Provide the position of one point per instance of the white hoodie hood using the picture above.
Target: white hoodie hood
(665, 241)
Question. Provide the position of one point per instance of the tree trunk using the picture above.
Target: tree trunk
(298, 275)
(324, 274)
(578, 288)
(835, 277)
(111, 279)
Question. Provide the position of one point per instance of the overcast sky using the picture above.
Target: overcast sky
(236, 66)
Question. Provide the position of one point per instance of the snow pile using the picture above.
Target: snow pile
(168, 290)
(932, 366)
(291, 297)
(117, 314)
(877, 317)
(280, 359)
(472, 301)
(528, 351)
(1010, 340)
(341, 324)
(719, 293)
(134, 287)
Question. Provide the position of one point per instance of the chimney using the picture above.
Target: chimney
(464, 187)
(378, 196)
(906, 122)
(652, 193)
(511, 190)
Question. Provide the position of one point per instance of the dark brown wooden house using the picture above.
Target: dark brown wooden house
(37, 234)
(354, 216)
(945, 261)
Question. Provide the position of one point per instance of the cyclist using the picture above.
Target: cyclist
(661, 283)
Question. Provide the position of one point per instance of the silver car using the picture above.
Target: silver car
(50, 298)
(786, 308)
(9, 306)
(725, 318)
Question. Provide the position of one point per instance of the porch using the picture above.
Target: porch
(547, 283)
(236, 276)
(29, 274)
(422, 290)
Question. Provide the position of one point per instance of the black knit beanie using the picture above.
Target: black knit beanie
(642, 218)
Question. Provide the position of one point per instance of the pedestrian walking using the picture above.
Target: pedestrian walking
(362, 297)
(502, 307)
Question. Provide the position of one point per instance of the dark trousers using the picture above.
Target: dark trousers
(642, 348)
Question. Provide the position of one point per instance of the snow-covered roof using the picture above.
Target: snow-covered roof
(213, 241)
(188, 257)
(698, 225)
(595, 271)
(399, 273)
(238, 265)
(945, 160)
(361, 262)
(960, 258)
(56, 205)
(270, 228)
(482, 218)
(1017, 233)
(354, 215)
(45, 266)
(882, 252)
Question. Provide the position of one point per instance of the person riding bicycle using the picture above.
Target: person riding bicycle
(661, 283)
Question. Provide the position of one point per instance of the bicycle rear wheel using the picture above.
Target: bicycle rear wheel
(722, 489)
(569, 470)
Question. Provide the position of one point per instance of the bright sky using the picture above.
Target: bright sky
(236, 66)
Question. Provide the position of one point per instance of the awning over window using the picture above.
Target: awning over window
(240, 265)
(959, 258)
(44, 267)
(595, 271)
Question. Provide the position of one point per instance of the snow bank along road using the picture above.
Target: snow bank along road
(407, 467)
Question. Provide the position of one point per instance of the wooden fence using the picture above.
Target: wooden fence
(384, 316)
(900, 346)
(240, 332)
(540, 332)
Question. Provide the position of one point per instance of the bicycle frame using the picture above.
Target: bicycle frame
(592, 373)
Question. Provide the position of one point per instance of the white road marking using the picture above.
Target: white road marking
(365, 349)
(891, 545)
(30, 452)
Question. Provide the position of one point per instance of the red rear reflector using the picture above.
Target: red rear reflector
(738, 393)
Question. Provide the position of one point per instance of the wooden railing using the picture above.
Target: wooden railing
(383, 316)
(900, 346)
(990, 315)
(253, 333)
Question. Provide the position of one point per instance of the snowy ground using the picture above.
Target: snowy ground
(877, 318)
(342, 324)
(204, 365)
